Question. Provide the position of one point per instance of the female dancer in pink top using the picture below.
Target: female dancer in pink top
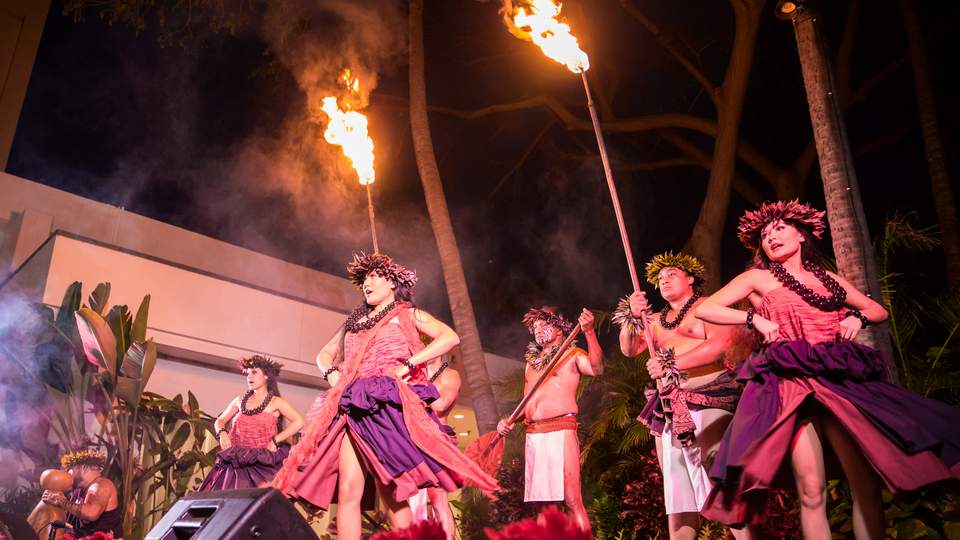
(812, 386)
(251, 446)
(372, 420)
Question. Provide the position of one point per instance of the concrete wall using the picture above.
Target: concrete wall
(212, 302)
(21, 25)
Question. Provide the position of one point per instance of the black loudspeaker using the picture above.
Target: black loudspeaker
(237, 514)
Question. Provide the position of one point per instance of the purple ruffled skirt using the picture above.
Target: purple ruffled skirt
(238, 468)
(371, 414)
(909, 440)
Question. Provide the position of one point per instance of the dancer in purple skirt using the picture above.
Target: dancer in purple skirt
(813, 389)
(251, 451)
(373, 423)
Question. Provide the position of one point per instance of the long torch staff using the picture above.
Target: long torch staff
(373, 221)
(608, 172)
(487, 450)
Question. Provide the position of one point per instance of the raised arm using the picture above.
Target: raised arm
(592, 363)
(632, 341)
(715, 308)
(720, 340)
(443, 338)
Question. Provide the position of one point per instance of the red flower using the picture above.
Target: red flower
(94, 536)
(551, 523)
(424, 530)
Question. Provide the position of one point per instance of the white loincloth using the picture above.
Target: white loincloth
(686, 482)
(418, 505)
(543, 471)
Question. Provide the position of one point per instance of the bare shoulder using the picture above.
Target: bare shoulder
(102, 486)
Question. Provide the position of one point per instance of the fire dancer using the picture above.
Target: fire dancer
(447, 382)
(551, 450)
(93, 505)
(251, 430)
(372, 421)
(703, 394)
(813, 385)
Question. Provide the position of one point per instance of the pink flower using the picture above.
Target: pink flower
(424, 530)
(551, 523)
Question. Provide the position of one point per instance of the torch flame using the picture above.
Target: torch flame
(348, 129)
(541, 20)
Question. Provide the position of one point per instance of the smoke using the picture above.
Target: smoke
(23, 395)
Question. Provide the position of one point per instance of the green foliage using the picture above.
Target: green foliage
(154, 444)
(923, 329)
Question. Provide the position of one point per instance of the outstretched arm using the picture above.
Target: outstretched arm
(712, 350)
(715, 309)
(592, 363)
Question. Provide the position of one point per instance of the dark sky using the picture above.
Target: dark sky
(210, 131)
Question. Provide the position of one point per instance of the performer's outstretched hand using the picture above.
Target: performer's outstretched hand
(586, 321)
(504, 427)
(638, 303)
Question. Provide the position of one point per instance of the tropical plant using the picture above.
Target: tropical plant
(95, 361)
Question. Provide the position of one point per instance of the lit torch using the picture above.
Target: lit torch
(539, 21)
(348, 129)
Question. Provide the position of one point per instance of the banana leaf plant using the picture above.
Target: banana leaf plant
(115, 344)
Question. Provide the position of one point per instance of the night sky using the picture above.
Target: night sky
(208, 128)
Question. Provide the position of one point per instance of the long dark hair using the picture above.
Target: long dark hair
(809, 248)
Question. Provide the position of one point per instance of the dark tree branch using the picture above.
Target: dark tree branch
(516, 167)
(705, 160)
(666, 41)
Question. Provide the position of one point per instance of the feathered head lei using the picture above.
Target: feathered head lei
(268, 366)
(548, 315)
(91, 458)
(363, 263)
(688, 263)
(752, 223)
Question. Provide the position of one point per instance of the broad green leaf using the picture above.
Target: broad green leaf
(99, 297)
(69, 304)
(192, 401)
(911, 529)
(119, 320)
(128, 389)
(139, 330)
(183, 432)
(99, 343)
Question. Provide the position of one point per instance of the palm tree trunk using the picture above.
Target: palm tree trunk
(848, 226)
(706, 238)
(474, 363)
(943, 196)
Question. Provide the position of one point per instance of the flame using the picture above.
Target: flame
(540, 18)
(348, 129)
